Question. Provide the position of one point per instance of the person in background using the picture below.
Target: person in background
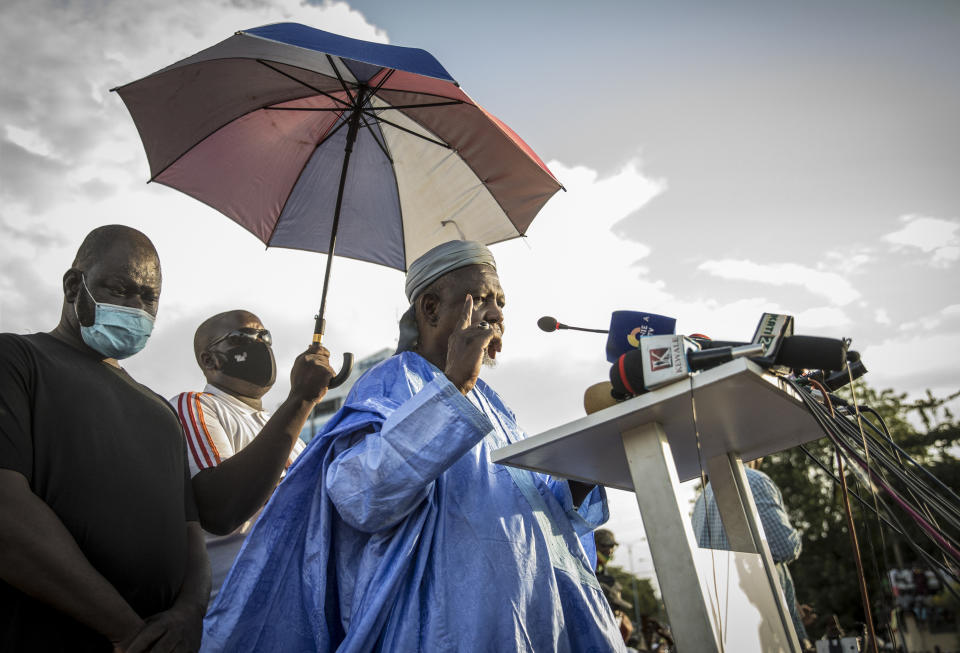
(237, 450)
(101, 549)
(614, 594)
(651, 629)
(606, 543)
(783, 539)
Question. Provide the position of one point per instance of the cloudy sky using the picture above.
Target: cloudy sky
(721, 160)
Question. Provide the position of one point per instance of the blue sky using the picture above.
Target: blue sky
(721, 159)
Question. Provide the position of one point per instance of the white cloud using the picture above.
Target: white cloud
(28, 140)
(881, 316)
(944, 318)
(57, 109)
(945, 256)
(934, 236)
(830, 285)
(821, 317)
(951, 310)
(913, 362)
(850, 260)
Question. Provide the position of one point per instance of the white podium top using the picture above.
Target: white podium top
(739, 409)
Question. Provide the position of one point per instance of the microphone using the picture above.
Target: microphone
(796, 352)
(812, 353)
(627, 328)
(662, 360)
(597, 397)
(550, 324)
(840, 378)
(771, 330)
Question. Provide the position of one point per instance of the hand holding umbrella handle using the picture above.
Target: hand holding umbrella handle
(347, 366)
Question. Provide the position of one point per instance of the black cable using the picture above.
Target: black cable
(899, 449)
(853, 455)
(886, 601)
(871, 641)
(855, 438)
(898, 528)
(843, 427)
(914, 485)
(833, 430)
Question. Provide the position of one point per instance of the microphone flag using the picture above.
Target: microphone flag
(627, 327)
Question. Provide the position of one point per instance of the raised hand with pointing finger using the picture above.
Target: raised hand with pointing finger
(469, 346)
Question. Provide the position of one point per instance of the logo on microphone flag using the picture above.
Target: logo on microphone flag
(660, 359)
(627, 327)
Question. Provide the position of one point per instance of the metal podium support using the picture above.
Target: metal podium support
(651, 465)
(741, 523)
(649, 444)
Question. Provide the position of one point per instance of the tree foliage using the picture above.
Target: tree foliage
(639, 593)
(825, 574)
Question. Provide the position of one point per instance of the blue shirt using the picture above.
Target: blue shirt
(393, 531)
(782, 539)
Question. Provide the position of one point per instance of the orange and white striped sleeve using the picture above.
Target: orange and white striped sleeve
(207, 441)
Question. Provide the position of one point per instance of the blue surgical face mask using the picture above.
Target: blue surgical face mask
(117, 331)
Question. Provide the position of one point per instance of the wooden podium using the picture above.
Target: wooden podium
(716, 600)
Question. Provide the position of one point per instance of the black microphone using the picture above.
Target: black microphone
(838, 379)
(812, 353)
(550, 324)
(796, 352)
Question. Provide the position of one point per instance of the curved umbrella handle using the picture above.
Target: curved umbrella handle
(318, 328)
(344, 372)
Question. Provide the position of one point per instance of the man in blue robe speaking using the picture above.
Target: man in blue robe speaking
(393, 531)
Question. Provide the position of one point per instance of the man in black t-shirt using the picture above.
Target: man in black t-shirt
(100, 543)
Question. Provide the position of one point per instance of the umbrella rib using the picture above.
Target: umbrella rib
(419, 106)
(441, 96)
(310, 86)
(331, 133)
(340, 78)
(383, 147)
(337, 109)
(409, 131)
(383, 81)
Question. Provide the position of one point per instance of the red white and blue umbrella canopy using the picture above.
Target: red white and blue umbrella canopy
(257, 127)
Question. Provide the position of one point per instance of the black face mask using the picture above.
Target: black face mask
(252, 362)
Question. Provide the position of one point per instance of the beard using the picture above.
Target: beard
(487, 361)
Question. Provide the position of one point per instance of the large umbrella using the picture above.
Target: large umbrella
(315, 141)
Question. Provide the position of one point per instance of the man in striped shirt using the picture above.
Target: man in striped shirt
(784, 540)
(237, 451)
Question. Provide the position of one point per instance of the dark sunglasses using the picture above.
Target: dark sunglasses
(238, 336)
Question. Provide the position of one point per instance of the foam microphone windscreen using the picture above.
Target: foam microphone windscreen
(627, 327)
(626, 375)
(548, 324)
(597, 397)
(812, 353)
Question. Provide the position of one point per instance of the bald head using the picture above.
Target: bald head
(109, 239)
(220, 324)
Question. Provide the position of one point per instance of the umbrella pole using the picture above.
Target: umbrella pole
(320, 323)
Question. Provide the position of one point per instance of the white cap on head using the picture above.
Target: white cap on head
(437, 262)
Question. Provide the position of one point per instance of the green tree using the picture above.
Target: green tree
(825, 574)
(639, 593)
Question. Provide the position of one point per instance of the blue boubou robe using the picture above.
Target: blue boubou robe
(393, 531)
